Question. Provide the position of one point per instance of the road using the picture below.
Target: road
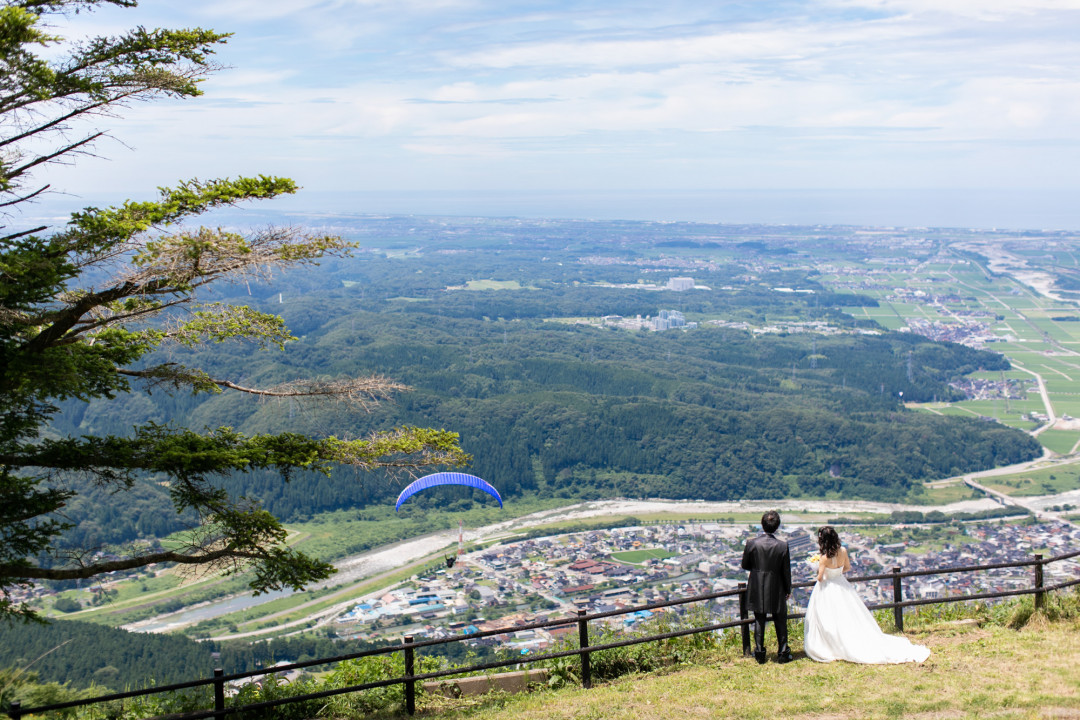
(1041, 513)
(1045, 398)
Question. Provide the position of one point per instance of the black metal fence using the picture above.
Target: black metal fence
(584, 650)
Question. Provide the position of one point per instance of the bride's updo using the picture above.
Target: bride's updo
(828, 541)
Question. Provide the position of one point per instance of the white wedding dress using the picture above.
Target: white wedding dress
(839, 627)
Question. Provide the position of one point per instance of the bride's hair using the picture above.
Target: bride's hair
(828, 541)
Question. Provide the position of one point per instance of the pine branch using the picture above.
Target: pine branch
(24, 198)
(87, 571)
(16, 172)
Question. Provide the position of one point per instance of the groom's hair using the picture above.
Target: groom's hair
(770, 521)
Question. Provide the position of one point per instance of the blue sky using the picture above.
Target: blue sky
(473, 96)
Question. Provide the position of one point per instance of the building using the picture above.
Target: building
(678, 284)
(668, 319)
(799, 543)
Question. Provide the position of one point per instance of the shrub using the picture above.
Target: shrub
(67, 605)
(640, 657)
(371, 669)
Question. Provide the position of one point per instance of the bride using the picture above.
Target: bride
(838, 626)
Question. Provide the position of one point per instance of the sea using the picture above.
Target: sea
(995, 209)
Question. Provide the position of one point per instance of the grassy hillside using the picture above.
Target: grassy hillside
(1005, 663)
(973, 672)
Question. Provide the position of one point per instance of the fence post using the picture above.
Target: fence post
(15, 710)
(219, 694)
(744, 617)
(898, 597)
(410, 685)
(583, 642)
(1040, 596)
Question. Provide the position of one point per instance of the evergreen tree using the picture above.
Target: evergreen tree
(81, 306)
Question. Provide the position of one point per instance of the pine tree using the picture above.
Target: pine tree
(83, 306)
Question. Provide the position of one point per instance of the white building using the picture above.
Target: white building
(668, 319)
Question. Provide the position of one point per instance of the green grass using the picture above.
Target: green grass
(1059, 441)
(976, 669)
(140, 590)
(493, 285)
(944, 495)
(555, 528)
(1066, 404)
(957, 410)
(1045, 481)
(637, 557)
(345, 532)
(890, 322)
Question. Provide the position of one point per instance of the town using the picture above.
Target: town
(538, 579)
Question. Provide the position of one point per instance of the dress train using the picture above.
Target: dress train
(838, 626)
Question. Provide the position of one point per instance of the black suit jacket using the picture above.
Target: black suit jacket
(769, 562)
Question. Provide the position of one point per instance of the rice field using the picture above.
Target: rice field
(1042, 334)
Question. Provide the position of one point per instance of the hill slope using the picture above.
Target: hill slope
(973, 671)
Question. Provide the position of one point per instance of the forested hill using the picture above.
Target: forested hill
(547, 405)
(122, 660)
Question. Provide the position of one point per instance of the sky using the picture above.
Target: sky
(582, 108)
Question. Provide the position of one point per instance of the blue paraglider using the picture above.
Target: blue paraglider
(446, 478)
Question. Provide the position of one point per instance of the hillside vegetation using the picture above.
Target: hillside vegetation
(555, 408)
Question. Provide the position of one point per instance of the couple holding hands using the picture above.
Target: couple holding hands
(837, 625)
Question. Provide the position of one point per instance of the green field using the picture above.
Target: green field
(492, 285)
(944, 495)
(1060, 441)
(1044, 346)
(637, 557)
(1047, 481)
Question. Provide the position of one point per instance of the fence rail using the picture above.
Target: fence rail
(584, 650)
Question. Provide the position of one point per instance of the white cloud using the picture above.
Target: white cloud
(422, 88)
(992, 10)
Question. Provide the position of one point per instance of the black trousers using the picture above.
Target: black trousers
(780, 623)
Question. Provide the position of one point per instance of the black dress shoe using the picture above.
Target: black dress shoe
(760, 656)
(785, 658)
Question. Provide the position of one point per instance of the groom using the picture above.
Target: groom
(769, 562)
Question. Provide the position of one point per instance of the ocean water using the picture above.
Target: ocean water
(1000, 209)
(984, 209)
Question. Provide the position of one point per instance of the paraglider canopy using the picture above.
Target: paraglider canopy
(446, 478)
